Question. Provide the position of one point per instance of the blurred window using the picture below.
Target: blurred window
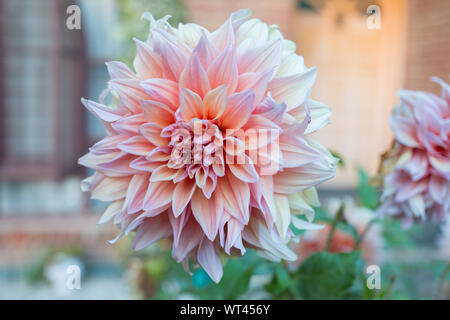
(42, 79)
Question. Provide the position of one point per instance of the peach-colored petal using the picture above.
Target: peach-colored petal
(194, 77)
(191, 105)
(257, 81)
(159, 193)
(137, 145)
(119, 70)
(207, 212)
(163, 173)
(147, 63)
(215, 102)
(189, 239)
(151, 230)
(239, 108)
(152, 132)
(178, 223)
(103, 112)
(130, 93)
(207, 257)
(157, 112)
(182, 195)
(129, 125)
(111, 188)
(223, 70)
(162, 90)
(236, 195)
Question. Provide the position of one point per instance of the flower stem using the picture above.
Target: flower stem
(363, 234)
(337, 218)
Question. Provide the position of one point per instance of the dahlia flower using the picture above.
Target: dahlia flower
(359, 218)
(416, 171)
(207, 141)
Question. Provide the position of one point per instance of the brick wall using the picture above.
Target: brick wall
(428, 43)
(212, 13)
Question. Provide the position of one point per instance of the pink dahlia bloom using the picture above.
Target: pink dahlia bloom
(207, 142)
(417, 169)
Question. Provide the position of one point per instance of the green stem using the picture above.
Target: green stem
(363, 234)
(337, 218)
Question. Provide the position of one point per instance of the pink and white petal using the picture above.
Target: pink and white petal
(205, 51)
(319, 113)
(438, 188)
(223, 36)
(242, 167)
(136, 145)
(91, 160)
(152, 230)
(111, 188)
(410, 189)
(257, 81)
(119, 165)
(178, 223)
(293, 180)
(173, 57)
(236, 197)
(294, 89)
(223, 70)
(189, 239)
(163, 173)
(152, 132)
(162, 90)
(234, 234)
(404, 132)
(157, 112)
(147, 63)
(159, 194)
(191, 105)
(119, 70)
(215, 102)
(130, 93)
(108, 144)
(103, 112)
(259, 132)
(238, 110)
(182, 195)
(208, 258)
(194, 77)
(210, 184)
(271, 110)
(441, 164)
(207, 212)
(233, 146)
(145, 165)
(159, 154)
(283, 216)
(261, 58)
(136, 193)
(129, 125)
(114, 208)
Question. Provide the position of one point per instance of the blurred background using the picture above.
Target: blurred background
(45, 68)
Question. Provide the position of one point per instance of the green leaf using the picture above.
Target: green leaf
(368, 194)
(236, 278)
(327, 275)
